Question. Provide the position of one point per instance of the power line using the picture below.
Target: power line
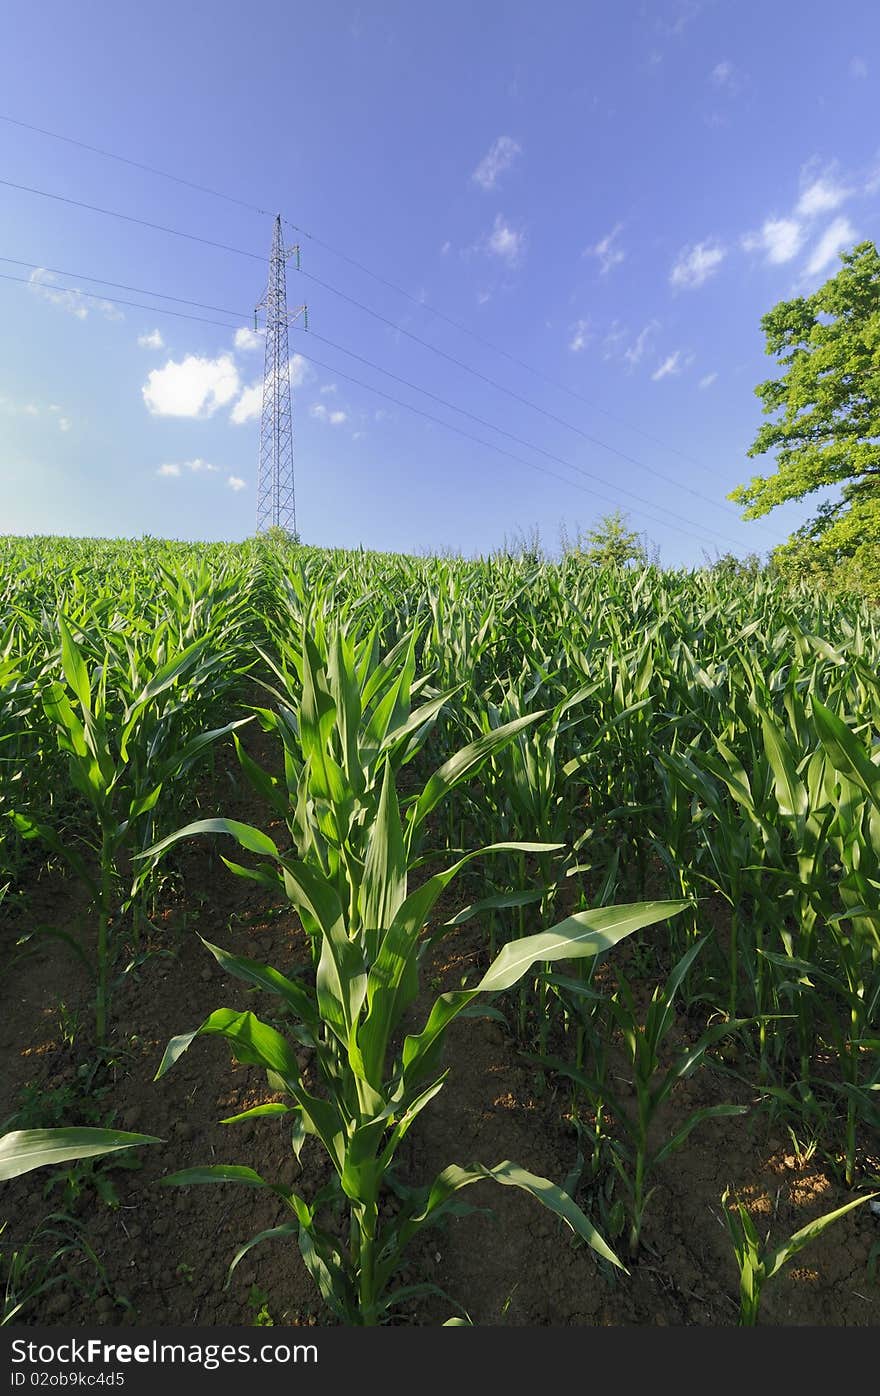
(490, 445)
(386, 282)
(388, 397)
(121, 286)
(517, 397)
(415, 387)
(115, 300)
(451, 406)
(128, 218)
(442, 353)
(136, 164)
(520, 441)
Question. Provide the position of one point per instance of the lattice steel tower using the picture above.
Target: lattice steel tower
(276, 502)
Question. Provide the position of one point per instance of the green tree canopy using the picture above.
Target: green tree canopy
(611, 543)
(826, 427)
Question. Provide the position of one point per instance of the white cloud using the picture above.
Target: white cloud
(75, 302)
(236, 483)
(195, 387)
(722, 74)
(249, 405)
(446, 248)
(499, 158)
(321, 413)
(858, 68)
(608, 255)
(23, 409)
(636, 350)
(696, 264)
(669, 366)
(328, 388)
(839, 233)
(780, 239)
(506, 242)
(821, 195)
(707, 380)
(197, 466)
(580, 335)
(64, 424)
(299, 371)
(153, 340)
(246, 339)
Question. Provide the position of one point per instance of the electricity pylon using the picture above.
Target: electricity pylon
(276, 502)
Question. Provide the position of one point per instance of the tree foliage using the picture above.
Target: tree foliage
(826, 424)
(610, 544)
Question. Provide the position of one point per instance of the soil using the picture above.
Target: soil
(164, 1252)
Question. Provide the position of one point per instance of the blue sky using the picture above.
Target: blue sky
(612, 193)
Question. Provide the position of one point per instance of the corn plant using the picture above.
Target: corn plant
(757, 1264)
(634, 1156)
(350, 887)
(118, 763)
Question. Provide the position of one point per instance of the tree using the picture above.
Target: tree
(826, 430)
(611, 543)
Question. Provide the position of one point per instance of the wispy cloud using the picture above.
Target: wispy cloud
(64, 424)
(493, 165)
(75, 302)
(604, 250)
(327, 388)
(858, 68)
(636, 351)
(236, 483)
(506, 242)
(579, 336)
(839, 233)
(193, 387)
(669, 366)
(821, 195)
(322, 413)
(153, 340)
(723, 74)
(22, 409)
(173, 469)
(707, 380)
(247, 339)
(695, 265)
(779, 239)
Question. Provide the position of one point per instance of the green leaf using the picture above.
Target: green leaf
(845, 752)
(75, 670)
(26, 1149)
(217, 1173)
(244, 834)
(458, 766)
(775, 1259)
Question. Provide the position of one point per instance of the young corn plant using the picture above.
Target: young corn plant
(118, 764)
(634, 1156)
(348, 878)
(757, 1264)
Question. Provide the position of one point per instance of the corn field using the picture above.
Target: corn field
(320, 869)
